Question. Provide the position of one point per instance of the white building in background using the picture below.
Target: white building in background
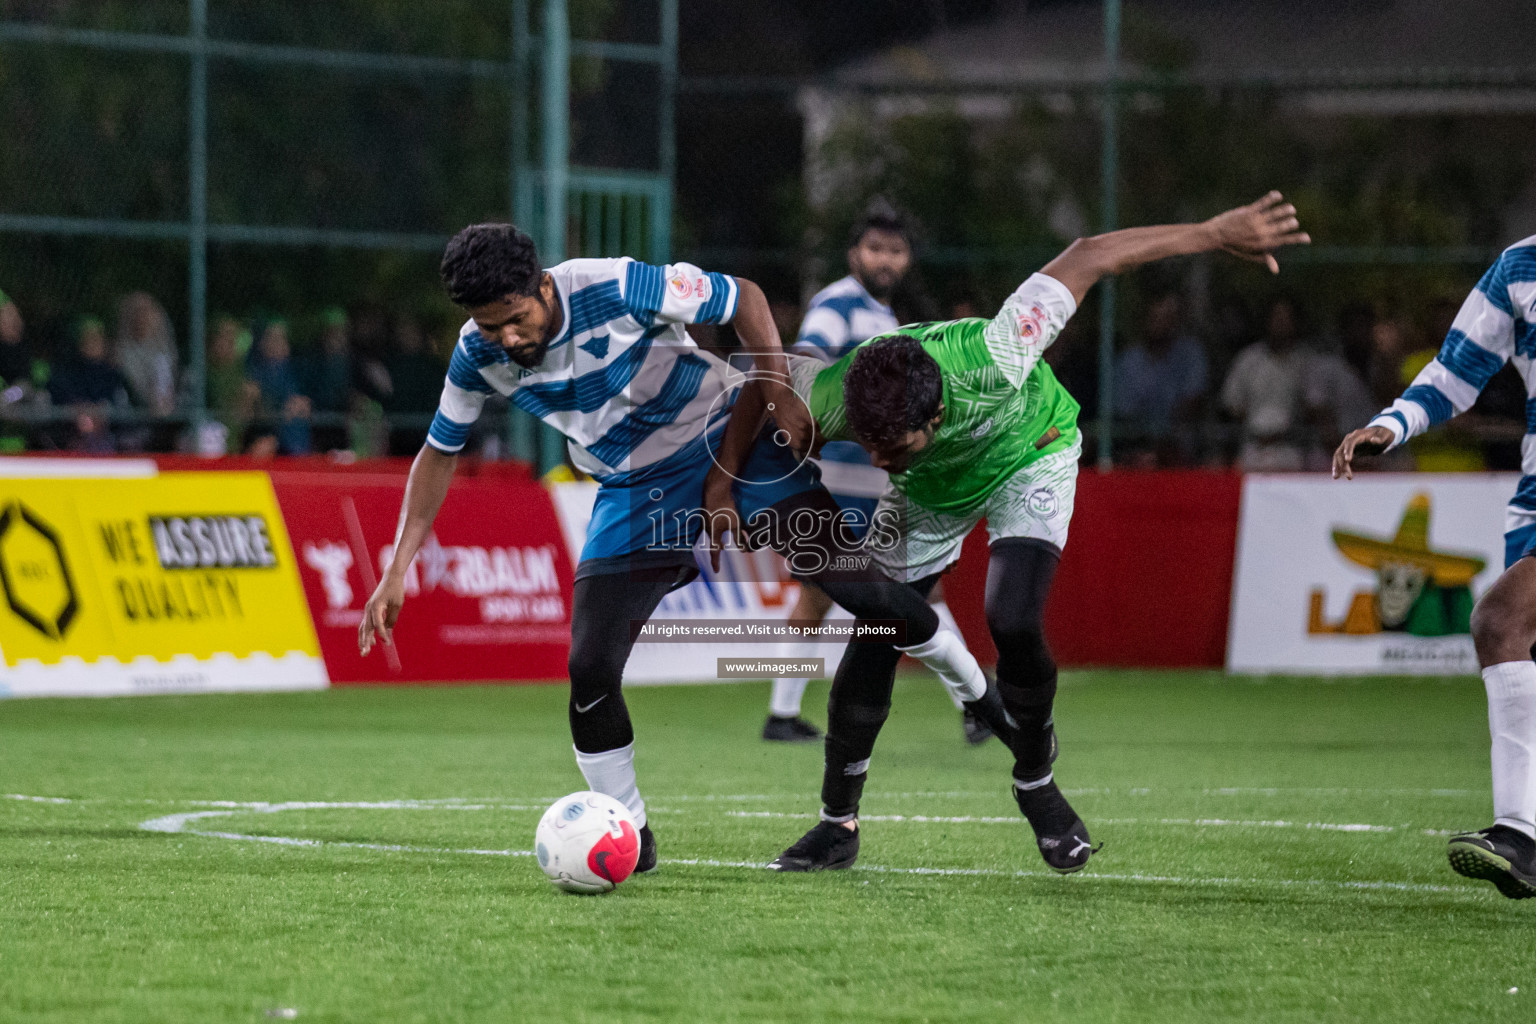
(1345, 57)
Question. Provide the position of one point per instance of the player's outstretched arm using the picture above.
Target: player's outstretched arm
(1251, 232)
(425, 490)
(760, 336)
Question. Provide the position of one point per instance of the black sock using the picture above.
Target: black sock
(857, 708)
(989, 709)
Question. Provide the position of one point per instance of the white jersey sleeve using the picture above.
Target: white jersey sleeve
(1028, 323)
(1485, 334)
(824, 334)
(459, 407)
(678, 293)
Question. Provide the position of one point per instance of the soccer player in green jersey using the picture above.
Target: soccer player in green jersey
(971, 424)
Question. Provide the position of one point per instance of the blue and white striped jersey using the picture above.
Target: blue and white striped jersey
(622, 380)
(1496, 325)
(841, 316)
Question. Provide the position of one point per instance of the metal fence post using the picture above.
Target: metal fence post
(197, 216)
(1109, 184)
(519, 426)
(661, 214)
(556, 151)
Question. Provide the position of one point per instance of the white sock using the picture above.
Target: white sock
(785, 702)
(613, 773)
(1511, 690)
(947, 621)
(956, 668)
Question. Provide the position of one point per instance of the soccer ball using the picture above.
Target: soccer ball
(587, 843)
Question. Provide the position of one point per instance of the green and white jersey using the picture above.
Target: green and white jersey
(1001, 402)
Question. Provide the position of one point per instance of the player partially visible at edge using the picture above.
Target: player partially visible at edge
(1496, 325)
(597, 349)
(972, 424)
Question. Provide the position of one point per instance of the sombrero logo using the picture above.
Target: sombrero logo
(1420, 591)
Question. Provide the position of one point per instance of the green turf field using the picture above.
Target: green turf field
(1273, 853)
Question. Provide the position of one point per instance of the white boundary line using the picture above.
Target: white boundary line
(176, 824)
(968, 819)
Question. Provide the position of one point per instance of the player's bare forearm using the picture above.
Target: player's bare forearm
(760, 336)
(1249, 232)
(425, 490)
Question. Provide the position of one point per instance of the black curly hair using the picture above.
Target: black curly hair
(892, 388)
(484, 262)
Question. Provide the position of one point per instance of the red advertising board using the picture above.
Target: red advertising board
(1146, 579)
(488, 597)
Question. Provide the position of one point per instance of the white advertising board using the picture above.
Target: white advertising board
(1371, 576)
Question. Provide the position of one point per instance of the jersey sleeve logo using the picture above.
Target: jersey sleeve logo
(685, 287)
(1031, 323)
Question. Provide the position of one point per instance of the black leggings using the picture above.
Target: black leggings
(1019, 575)
(607, 610)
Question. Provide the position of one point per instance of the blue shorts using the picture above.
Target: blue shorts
(652, 516)
(1519, 535)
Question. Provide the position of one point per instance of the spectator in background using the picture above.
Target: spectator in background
(15, 362)
(91, 387)
(20, 375)
(1334, 388)
(1389, 345)
(282, 403)
(146, 352)
(416, 379)
(233, 398)
(326, 375)
(1160, 386)
(1263, 391)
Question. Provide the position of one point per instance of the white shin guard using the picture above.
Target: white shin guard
(947, 621)
(1511, 688)
(947, 656)
(612, 773)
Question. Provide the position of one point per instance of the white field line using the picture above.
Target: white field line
(526, 802)
(969, 819)
(177, 824)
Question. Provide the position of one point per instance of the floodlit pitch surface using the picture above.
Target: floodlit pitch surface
(1273, 852)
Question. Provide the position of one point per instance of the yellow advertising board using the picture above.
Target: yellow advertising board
(178, 582)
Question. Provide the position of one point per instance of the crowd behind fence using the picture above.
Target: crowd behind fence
(1272, 388)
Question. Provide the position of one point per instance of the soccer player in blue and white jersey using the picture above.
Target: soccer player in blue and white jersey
(597, 349)
(1496, 325)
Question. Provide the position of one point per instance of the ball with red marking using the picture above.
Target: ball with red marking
(587, 843)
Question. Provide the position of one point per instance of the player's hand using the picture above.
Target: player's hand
(720, 515)
(1255, 231)
(1365, 441)
(791, 416)
(380, 614)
